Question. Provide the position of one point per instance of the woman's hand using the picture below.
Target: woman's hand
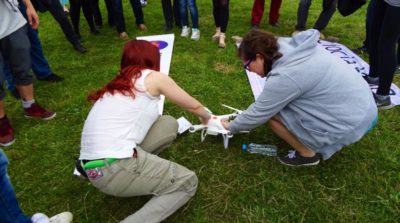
(204, 120)
(225, 123)
(33, 18)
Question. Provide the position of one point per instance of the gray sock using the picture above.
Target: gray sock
(27, 104)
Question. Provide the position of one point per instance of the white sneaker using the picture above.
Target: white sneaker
(64, 217)
(185, 31)
(40, 218)
(221, 42)
(195, 34)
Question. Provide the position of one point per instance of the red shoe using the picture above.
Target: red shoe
(6, 132)
(36, 111)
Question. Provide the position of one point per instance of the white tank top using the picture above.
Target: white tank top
(117, 123)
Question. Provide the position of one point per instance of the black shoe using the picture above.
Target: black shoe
(360, 50)
(78, 47)
(52, 78)
(293, 158)
(383, 101)
(371, 80)
(15, 94)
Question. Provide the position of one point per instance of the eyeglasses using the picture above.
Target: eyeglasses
(246, 65)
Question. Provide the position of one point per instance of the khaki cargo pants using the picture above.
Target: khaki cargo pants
(171, 184)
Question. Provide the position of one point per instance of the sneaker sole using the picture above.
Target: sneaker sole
(46, 119)
(8, 144)
(306, 164)
(386, 107)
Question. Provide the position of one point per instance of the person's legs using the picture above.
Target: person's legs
(57, 12)
(274, 11)
(224, 15)
(98, 19)
(377, 16)
(87, 8)
(168, 13)
(75, 13)
(257, 12)
(328, 9)
(6, 131)
(388, 38)
(302, 14)
(171, 184)
(137, 11)
(161, 134)
(183, 13)
(10, 211)
(110, 14)
(177, 13)
(40, 66)
(16, 49)
(118, 15)
(368, 19)
(216, 13)
(193, 13)
(276, 125)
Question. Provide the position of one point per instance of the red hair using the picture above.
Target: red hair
(138, 55)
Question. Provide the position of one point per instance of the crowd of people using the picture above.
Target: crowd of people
(312, 100)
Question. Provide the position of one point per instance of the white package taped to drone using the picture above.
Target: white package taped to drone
(183, 124)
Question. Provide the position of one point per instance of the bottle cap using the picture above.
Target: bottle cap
(244, 147)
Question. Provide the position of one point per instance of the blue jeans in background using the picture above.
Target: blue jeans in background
(191, 4)
(40, 66)
(9, 208)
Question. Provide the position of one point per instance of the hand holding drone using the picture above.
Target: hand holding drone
(214, 126)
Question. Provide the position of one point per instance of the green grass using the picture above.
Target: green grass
(361, 183)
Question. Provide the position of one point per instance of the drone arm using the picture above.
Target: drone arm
(195, 128)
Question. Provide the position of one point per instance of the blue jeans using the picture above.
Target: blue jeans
(40, 66)
(191, 4)
(9, 208)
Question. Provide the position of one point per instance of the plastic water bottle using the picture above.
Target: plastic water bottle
(263, 149)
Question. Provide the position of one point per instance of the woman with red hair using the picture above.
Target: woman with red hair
(123, 133)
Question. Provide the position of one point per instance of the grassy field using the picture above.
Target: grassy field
(359, 184)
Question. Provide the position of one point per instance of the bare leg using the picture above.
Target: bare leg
(26, 92)
(280, 129)
(2, 112)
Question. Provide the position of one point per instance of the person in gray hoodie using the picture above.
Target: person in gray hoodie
(313, 100)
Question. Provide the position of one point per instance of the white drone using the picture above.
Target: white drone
(214, 126)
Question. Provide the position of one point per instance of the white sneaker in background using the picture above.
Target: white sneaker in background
(143, 3)
(221, 42)
(64, 217)
(195, 34)
(40, 218)
(185, 31)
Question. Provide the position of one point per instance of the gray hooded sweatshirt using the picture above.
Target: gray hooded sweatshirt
(319, 98)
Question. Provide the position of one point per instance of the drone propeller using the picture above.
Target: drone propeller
(232, 108)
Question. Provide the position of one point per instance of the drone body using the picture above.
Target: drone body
(214, 126)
